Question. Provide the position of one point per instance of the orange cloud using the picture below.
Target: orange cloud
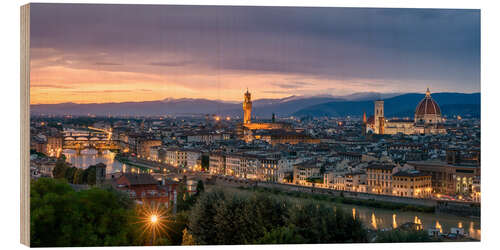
(57, 77)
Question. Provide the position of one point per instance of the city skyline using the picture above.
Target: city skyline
(145, 52)
(148, 125)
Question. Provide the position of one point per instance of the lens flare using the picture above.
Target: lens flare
(154, 220)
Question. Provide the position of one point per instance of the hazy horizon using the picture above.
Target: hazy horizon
(257, 99)
(92, 53)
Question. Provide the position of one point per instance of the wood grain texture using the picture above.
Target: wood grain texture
(25, 122)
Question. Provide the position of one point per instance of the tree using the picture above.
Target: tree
(314, 180)
(202, 217)
(398, 235)
(177, 227)
(70, 174)
(234, 218)
(322, 170)
(187, 238)
(62, 217)
(205, 162)
(59, 170)
(200, 188)
(78, 176)
(184, 200)
(89, 175)
(282, 235)
(288, 177)
(318, 223)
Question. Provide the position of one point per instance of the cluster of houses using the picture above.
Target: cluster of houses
(342, 157)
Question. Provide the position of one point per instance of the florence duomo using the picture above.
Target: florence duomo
(427, 120)
(231, 125)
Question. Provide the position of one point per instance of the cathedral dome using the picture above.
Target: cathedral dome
(428, 110)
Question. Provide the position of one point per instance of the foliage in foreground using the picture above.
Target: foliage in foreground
(220, 217)
(74, 175)
(61, 216)
(345, 200)
(398, 235)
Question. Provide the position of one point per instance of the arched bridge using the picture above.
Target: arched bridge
(93, 138)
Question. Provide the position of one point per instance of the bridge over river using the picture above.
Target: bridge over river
(90, 138)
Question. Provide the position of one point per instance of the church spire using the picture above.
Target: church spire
(428, 93)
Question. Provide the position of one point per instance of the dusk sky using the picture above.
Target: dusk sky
(117, 53)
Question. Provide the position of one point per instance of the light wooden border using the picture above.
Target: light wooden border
(25, 124)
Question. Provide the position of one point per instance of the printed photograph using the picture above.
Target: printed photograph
(232, 125)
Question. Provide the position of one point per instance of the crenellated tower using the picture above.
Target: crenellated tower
(247, 108)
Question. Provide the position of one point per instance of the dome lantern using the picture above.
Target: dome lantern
(428, 110)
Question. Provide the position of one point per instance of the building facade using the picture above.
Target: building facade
(303, 172)
(427, 119)
(414, 184)
(379, 178)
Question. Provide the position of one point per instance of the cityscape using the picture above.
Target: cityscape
(300, 163)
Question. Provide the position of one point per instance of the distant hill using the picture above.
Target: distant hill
(262, 107)
(368, 96)
(401, 105)
(324, 105)
(184, 106)
(168, 106)
(287, 107)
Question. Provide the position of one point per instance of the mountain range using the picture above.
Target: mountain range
(399, 106)
(396, 104)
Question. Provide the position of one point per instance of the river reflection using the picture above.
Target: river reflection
(88, 157)
(386, 219)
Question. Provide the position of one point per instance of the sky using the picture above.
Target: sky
(120, 53)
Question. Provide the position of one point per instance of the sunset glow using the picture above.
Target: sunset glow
(119, 53)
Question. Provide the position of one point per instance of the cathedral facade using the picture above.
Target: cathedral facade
(427, 119)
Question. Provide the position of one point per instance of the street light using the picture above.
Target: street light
(153, 219)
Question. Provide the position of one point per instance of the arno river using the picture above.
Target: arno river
(90, 157)
(373, 218)
(377, 218)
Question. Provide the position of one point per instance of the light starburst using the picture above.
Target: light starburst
(154, 220)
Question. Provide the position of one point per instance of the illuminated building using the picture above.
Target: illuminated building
(247, 119)
(455, 176)
(217, 163)
(379, 178)
(304, 171)
(414, 184)
(145, 188)
(273, 132)
(144, 146)
(428, 119)
(279, 136)
(247, 108)
(176, 157)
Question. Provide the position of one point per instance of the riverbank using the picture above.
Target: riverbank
(383, 216)
(362, 199)
(126, 161)
(459, 208)
(344, 200)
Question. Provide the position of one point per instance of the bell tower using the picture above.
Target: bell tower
(378, 116)
(247, 108)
